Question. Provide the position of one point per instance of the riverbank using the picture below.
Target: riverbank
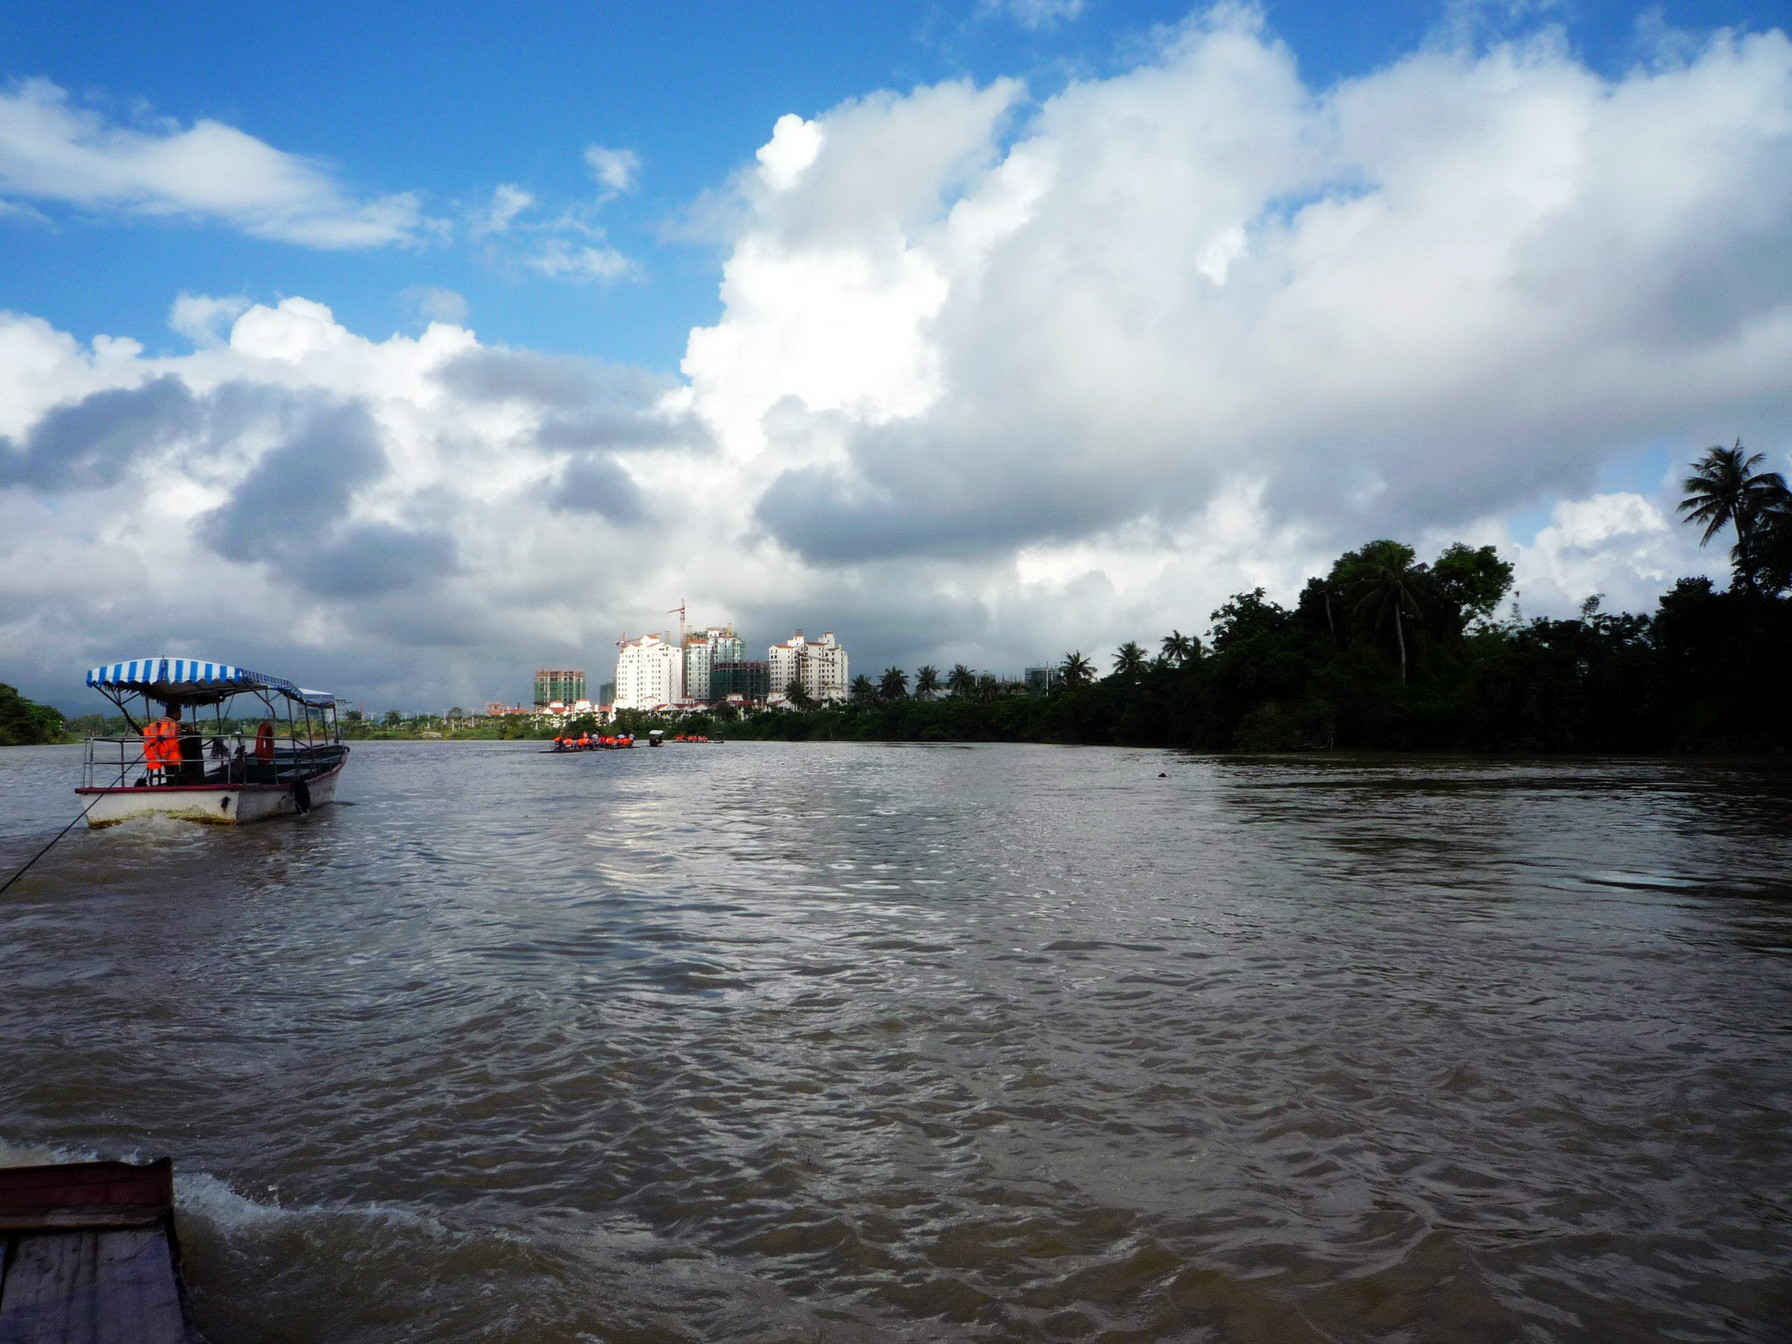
(1699, 675)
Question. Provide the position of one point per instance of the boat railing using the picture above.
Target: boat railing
(223, 759)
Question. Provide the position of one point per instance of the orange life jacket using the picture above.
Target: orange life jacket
(160, 746)
(264, 741)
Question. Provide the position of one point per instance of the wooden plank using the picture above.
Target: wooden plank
(94, 1287)
(70, 1217)
(85, 1194)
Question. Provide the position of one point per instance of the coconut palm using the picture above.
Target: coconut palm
(864, 690)
(962, 680)
(1770, 546)
(1725, 489)
(1385, 587)
(798, 694)
(927, 682)
(1076, 670)
(988, 688)
(1179, 648)
(1129, 661)
(893, 685)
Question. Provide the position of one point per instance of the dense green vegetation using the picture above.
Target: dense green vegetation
(1386, 652)
(25, 723)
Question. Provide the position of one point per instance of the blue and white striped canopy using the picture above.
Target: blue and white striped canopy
(190, 681)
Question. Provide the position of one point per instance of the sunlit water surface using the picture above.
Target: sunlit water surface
(836, 1042)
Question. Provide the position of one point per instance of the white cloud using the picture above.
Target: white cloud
(1035, 14)
(435, 304)
(198, 317)
(51, 150)
(1443, 291)
(559, 259)
(508, 201)
(992, 380)
(361, 512)
(792, 148)
(615, 169)
(1621, 547)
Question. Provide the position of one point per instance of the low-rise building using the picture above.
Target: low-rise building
(819, 665)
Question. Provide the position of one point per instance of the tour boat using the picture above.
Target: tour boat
(178, 764)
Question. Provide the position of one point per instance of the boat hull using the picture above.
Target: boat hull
(210, 804)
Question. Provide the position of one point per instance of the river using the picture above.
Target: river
(830, 1042)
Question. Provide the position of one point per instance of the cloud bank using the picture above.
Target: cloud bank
(994, 379)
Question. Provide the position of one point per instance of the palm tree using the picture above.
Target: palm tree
(893, 685)
(798, 694)
(1179, 648)
(1076, 670)
(1725, 488)
(864, 690)
(1386, 586)
(962, 681)
(1129, 661)
(988, 688)
(927, 682)
(1771, 546)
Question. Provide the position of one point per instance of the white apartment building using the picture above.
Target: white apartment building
(702, 651)
(649, 673)
(819, 664)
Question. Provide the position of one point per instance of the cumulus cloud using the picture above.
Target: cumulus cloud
(95, 441)
(200, 317)
(959, 330)
(993, 379)
(352, 507)
(51, 150)
(1622, 547)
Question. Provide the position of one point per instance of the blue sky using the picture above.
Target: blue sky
(975, 332)
(450, 100)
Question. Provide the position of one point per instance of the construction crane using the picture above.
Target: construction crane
(679, 612)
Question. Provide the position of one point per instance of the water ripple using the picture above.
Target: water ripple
(766, 1042)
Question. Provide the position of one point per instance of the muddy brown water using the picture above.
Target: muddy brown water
(769, 1042)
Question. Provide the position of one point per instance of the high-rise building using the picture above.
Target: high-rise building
(649, 673)
(702, 651)
(752, 682)
(1040, 680)
(565, 685)
(818, 664)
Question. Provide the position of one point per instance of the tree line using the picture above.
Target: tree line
(1385, 651)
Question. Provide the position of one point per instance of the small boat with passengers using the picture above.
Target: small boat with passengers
(224, 771)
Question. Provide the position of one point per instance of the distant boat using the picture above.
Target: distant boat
(179, 765)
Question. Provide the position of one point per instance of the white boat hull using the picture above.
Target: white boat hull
(212, 804)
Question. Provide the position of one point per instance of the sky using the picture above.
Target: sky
(401, 349)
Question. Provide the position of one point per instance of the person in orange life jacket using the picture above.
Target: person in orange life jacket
(161, 750)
